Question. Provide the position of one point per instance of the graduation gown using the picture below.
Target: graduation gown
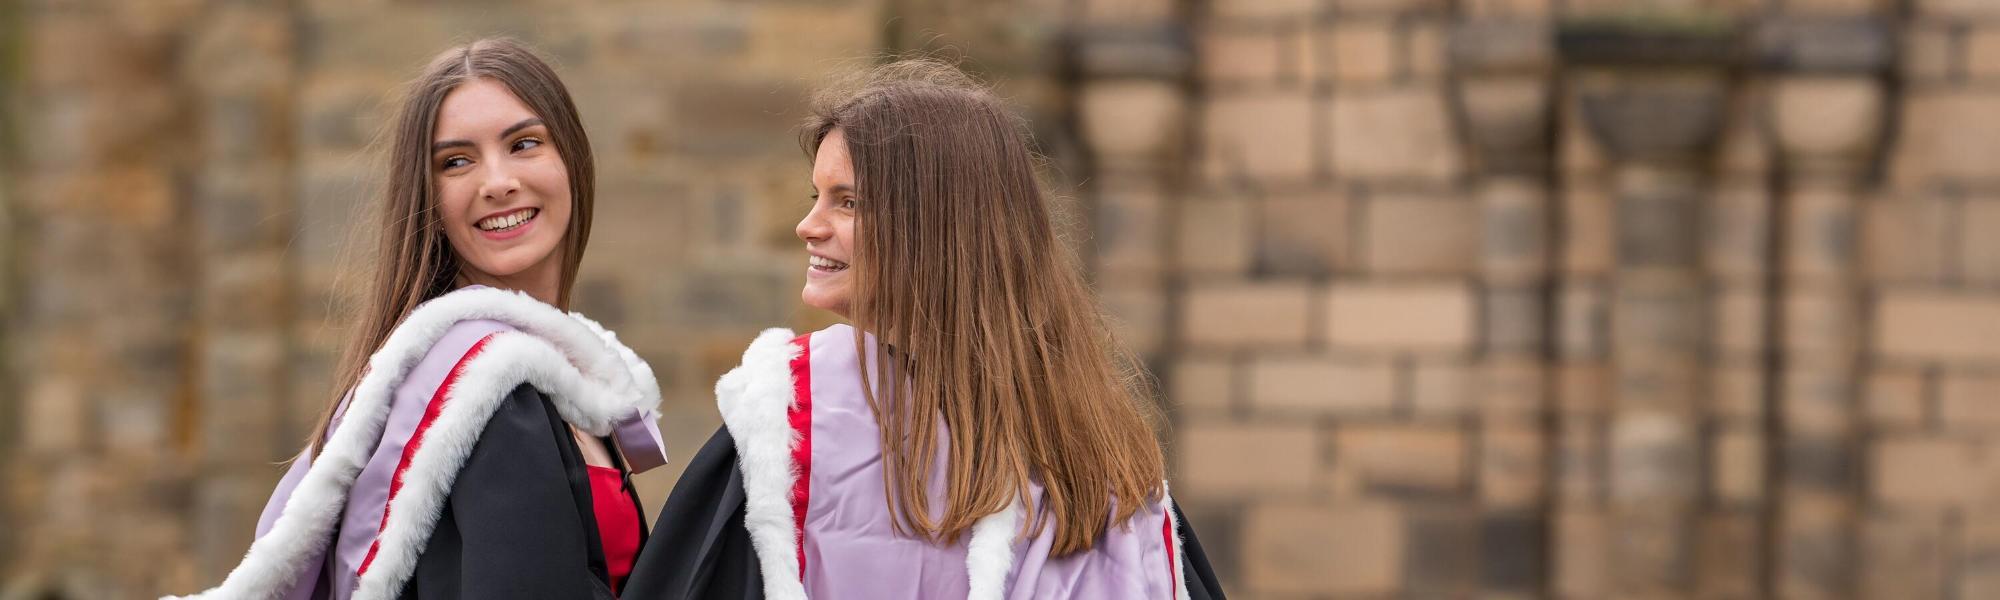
(450, 470)
(786, 502)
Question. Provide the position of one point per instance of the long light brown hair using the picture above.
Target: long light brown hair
(412, 261)
(984, 315)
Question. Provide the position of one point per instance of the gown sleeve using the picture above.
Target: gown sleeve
(699, 548)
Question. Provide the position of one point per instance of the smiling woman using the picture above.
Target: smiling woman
(468, 453)
(975, 432)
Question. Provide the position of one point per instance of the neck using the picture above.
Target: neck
(542, 284)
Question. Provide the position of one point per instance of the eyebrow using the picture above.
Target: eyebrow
(840, 187)
(510, 130)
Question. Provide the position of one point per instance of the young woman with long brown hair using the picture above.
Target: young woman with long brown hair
(976, 432)
(471, 453)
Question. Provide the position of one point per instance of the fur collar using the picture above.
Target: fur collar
(594, 381)
(753, 399)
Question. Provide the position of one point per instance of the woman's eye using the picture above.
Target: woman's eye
(455, 162)
(526, 143)
(847, 204)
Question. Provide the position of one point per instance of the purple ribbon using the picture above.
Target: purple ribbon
(638, 436)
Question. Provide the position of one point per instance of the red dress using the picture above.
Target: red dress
(617, 521)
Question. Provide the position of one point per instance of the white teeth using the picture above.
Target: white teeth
(825, 263)
(508, 221)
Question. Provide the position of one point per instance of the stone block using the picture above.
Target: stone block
(1583, 321)
(1259, 136)
(1582, 554)
(1894, 399)
(1319, 386)
(1979, 257)
(1137, 316)
(1131, 236)
(1441, 390)
(1938, 326)
(1226, 460)
(1202, 383)
(1121, 12)
(1906, 240)
(1738, 475)
(1385, 6)
(1263, 9)
(1401, 460)
(1581, 461)
(1654, 459)
(1216, 236)
(1507, 8)
(1957, 8)
(1442, 552)
(1903, 555)
(1343, 549)
(1926, 473)
(1426, 50)
(1420, 235)
(1944, 135)
(1739, 320)
(1407, 317)
(1929, 53)
(1827, 116)
(1970, 402)
(1260, 315)
(1982, 52)
(1401, 133)
(1239, 55)
(1729, 558)
(1514, 230)
(1364, 51)
(1512, 469)
(1304, 235)
(1132, 120)
(1737, 392)
(1513, 320)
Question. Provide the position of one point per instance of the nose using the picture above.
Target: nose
(500, 181)
(813, 228)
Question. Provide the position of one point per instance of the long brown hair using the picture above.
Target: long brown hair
(984, 316)
(412, 260)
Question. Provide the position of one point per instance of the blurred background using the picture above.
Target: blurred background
(1446, 298)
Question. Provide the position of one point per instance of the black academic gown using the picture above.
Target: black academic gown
(521, 502)
(700, 549)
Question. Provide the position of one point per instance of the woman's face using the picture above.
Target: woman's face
(828, 228)
(503, 193)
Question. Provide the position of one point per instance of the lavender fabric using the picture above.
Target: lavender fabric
(638, 438)
(852, 551)
(361, 520)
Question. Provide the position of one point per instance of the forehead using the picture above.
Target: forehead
(830, 163)
(478, 106)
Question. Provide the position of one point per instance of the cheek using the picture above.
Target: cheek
(452, 203)
(552, 183)
(843, 234)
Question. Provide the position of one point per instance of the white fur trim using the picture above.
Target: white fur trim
(753, 399)
(1174, 525)
(989, 555)
(584, 371)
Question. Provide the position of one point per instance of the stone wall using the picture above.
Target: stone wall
(1494, 298)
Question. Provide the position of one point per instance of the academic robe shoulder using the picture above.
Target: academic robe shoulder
(472, 501)
(519, 522)
(701, 550)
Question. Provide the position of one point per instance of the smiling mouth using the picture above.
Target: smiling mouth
(509, 221)
(825, 265)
